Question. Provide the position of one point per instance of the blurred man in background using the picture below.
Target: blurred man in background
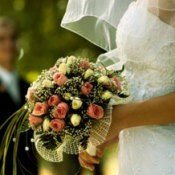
(12, 96)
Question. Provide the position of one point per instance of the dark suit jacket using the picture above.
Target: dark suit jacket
(25, 159)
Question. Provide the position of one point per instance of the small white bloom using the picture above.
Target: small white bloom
(67, 96)
(26, 148)
(46, 124)
(106, 95)
(75, 119)
(88, 73)
(32, 140)
(47, 83)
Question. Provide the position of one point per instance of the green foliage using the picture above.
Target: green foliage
(42, 38)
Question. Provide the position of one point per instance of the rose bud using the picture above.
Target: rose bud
(88, 73)
(63, 68)
(102, 68)
(107, 95)
(84, 64)
(76, 103)
(61, 110)
(57, 125)
(46, 124)
(75, 119)
(40, 108)
(29, 95)
(70, 60)
(52, 69)
(60, 78)
(67, 96)
(104, 80)
(117, 82)
(95, 111)
(34, 121)
(54, 100)
(86, 88)
(47, 84)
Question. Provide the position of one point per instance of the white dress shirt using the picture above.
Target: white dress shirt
(10, 81)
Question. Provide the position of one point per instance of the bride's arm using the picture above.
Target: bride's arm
(159, 110)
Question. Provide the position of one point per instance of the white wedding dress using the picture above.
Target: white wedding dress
(147, 48)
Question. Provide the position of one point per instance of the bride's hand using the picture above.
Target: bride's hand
(87, 161)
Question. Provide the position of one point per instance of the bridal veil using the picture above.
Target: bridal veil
(97, 21)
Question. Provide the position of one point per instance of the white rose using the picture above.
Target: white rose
(104, 80)
(63, 60)
(63, 67)
(47, 83)
(70, 60)
(75, 119)
(76, 103)
(46, 124)
(107, 95)
(88, 73)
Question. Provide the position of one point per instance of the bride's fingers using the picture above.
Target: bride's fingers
(86, 165)
(99, 153)
(88, 158)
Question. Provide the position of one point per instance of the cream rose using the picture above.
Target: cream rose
(47, 83)
(70, 60)
(104, 80)
(46, 124)
(88, 73)
(67, 96)
(63, 68)
(76, 103)
(106, 95)
(75, 119)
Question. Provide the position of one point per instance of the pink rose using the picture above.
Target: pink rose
(29, 95)
(40, 108)
(54, 100)
(61, 110)
(117, 82)
(35, 121)
(53, 68)
(95, 111)
(57, 125)
(60, 78)
(86, 88)
(84, 64)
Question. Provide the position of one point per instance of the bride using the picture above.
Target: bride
(140, 35)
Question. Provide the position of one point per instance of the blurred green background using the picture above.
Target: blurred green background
(43, 41)
(42, 38)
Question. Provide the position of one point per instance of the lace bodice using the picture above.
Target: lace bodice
(150, 69)
(147, 57)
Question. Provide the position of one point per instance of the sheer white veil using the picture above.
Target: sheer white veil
(97, 21)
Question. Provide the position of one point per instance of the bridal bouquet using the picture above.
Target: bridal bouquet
(68, 107)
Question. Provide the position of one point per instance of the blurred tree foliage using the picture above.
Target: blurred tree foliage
(42, 38)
